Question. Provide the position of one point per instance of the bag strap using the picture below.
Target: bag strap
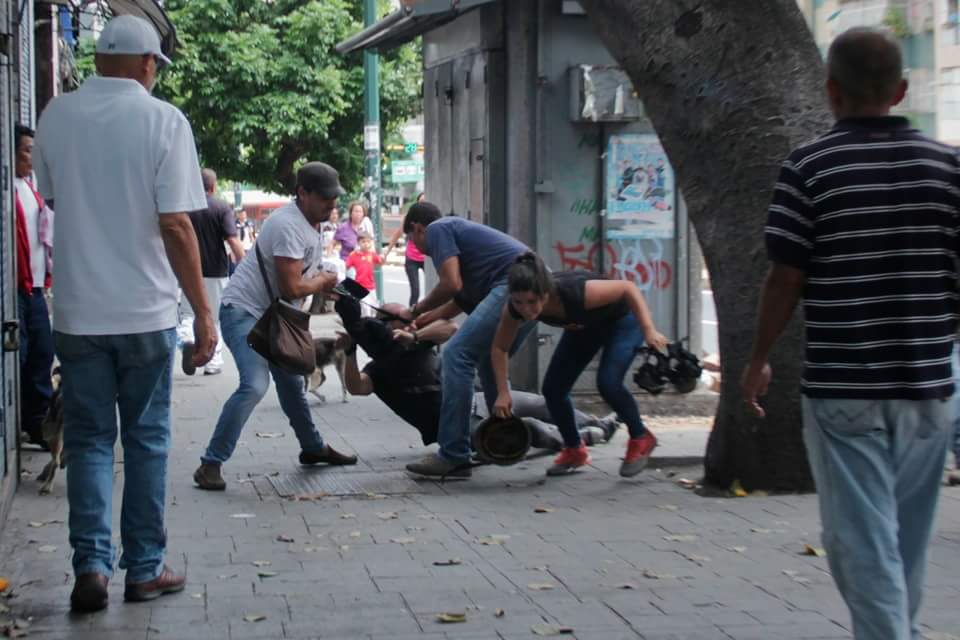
(263, 272)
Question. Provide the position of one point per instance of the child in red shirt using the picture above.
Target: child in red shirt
(362, 261)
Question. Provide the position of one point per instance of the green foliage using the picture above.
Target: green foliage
(265, 91)
(896, 20)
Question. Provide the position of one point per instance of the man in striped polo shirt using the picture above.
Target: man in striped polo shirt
(863, 226)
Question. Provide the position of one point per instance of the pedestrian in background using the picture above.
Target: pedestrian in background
(348, 234)
(216, 228)
(122, 168)
(864, 226)
(413, 260)
(34, 224)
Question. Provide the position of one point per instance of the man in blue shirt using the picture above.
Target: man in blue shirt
(472, 261)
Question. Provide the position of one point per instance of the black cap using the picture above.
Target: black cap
(320, 178)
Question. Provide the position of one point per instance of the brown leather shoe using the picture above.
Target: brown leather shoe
(89, 593)
(166, 582)
(208, 476)
(329, 455)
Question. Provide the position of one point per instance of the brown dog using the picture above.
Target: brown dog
(328, 352)
(53, 434)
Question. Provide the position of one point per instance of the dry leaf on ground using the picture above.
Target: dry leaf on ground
(254, 617)
(261, 563)
(285, 538)
(543, 510)
(737, 490)
(668, 507)
(198, 596)
(543, 629)
(738, 549)
(308, 497)
(47, 548)
(627, 586)
(653, 575)
(447, 563)
(403, 540)
(809, 550)
(243, 516)
(266, 574)
(388, 515)
(499, 613)
(4, 583)
(347, 516)
(42, 523)
(494, 539)
(269, 434)
(680, 538)
(541, 586)
(450, 618)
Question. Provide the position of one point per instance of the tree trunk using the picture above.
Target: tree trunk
(731, 88)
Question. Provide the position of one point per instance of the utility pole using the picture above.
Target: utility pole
(371, 136)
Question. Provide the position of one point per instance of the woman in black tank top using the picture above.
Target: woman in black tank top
(597, 314)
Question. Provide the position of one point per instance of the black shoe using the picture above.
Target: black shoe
(208, 476)
(89, 593)
(328, 455)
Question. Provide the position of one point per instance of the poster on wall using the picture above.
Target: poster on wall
(640, 190)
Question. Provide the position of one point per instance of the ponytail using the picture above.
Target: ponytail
(528, 273)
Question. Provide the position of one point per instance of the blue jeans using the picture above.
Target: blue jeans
(255, 372)
(878, 465)
(103, 376)
(36, 360)
(573, 353)
(467, 354)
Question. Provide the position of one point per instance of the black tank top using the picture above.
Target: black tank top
(570, 288)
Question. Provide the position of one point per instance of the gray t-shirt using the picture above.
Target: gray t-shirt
(485, 254)
(285, 234)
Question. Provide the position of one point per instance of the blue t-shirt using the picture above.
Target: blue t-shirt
(485, 254)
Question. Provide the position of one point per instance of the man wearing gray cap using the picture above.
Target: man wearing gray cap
(122, 168)
(288, 253)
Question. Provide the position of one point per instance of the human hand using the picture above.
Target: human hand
(656, 340)
(204, 338)
(404, 337)
(754, 383)
(503, 407)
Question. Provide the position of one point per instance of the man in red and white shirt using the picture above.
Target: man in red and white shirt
(34, 267)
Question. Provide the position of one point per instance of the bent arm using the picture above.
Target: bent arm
(449, 285)
(446, 311)
(293, 285)
(358, 383)
(180, 243)
(500, 350)
(236, 248)
(393, 241)
(437, 332)
(782, 290)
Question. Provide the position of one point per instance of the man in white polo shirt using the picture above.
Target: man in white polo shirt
(121, 168)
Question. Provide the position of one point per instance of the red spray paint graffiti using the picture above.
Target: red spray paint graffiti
(646, 275)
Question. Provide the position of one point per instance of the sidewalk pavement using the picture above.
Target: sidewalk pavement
(511, 554)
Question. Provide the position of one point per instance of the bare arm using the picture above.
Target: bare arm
(500, 359)
(448, 286)
(393, 241)
(180, 243)
(436, 332)
(236, 248)
(358, 383)
(599, 293)
(446, 311)
(782, 291)
(293, 285)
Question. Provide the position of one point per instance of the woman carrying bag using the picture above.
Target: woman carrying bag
(285, 263)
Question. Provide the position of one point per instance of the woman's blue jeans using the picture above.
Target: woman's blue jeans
(574, 352)
(255, 372)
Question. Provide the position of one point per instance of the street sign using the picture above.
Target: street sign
(406, 171)
(371, 137)
(410, 147)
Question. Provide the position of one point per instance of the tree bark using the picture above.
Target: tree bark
(731, 88)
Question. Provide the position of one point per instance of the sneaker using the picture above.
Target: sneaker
(569, 460)
(435, 465)
(328, 455)
(208, 477)
(593, 435)
(166, 582)
(186, 361)
(638, 454)
(610, 424)
(89, 593)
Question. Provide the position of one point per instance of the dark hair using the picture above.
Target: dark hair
(20, 131)
(528, 273)
(867, 66)
(420, 213)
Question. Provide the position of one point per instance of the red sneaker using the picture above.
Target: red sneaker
(638, 454)
(570, 459)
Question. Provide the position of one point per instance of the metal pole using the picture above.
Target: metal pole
(371, 136)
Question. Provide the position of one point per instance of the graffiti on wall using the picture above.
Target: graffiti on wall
(631, 260)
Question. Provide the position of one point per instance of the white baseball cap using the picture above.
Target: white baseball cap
(130, 35)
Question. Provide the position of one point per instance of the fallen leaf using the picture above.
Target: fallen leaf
(344, 547)
(261, 563)
(447, 563)
(737, 489)
(499, 613)
(284, 538)
(687, 483)
(198, 596)
(494, 539)
(543, 629)
(451, 618)
(809, 550)
(738, 549)
(254, 617)
(627, 586)
(47, 548)
(758, 530)
(680, 538)
(403, 540)
(269, 434)
(308, 497)
(667, 507)
(540, 586)
(355, 534)
(543, 510)
(244, 516)
(427, 516)
(226, 577)
(695, 558)
(388, 515)
(347, 516)
(42, 523)
(4, 583)
(266, 574)
(653, 575)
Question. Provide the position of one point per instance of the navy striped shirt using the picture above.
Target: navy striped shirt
(870, 212)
